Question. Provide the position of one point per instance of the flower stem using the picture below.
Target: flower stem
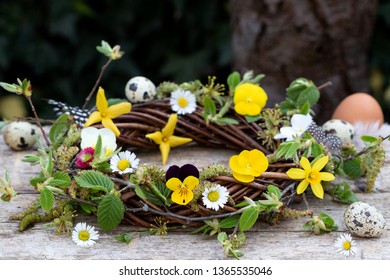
(97, 82)
(38, 121)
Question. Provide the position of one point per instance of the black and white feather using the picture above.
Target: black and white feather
(80, 116)
(331, 141)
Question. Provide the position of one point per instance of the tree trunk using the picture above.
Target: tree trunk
(315, 39)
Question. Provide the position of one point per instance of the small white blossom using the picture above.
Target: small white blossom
(84, 235)
(215, 197)
(124, 162)
(299, 124)
(183, 102)
(346, 245)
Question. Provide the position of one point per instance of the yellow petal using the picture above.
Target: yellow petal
(118, 109)
(191, 182)
(326, 176)
(320, 163)
(95, 117)
(108, 123)
(101, 101)
(302, 186)
(164, 149)
(247, 109)
(173, 184)
(170, 126)
(175, 141)
(296, 173)
(317, 190)
(243, 178)
(182, 197)
(305, 163)
(258, 162)
(260, 97)
(155, 136)
(235, 164)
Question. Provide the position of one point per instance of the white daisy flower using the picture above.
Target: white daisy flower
(346, 245)
(89, 137)
(215, 197)
(124, 162)
(84, 235)
(183, 102)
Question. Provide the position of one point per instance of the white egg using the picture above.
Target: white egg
(20, 135)
(139, 89)
(342, 129)
(364, 220)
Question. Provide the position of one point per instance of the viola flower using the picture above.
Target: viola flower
(182, 180)
(84, 235)
(249, 99)
(248, 165)
(89, 138)
(124, 162)
(166, 139)
(106, 113)
(183, 102)
(84, 158)
(311, 175)
(346, 245)
(215, 197)
(299, 124)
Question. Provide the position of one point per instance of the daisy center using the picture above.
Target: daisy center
(84, 235)
(213, 196)
(182, 102)
(347, 245)
(123, 164)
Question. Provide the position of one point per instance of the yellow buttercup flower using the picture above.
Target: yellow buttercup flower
(166, 139)
(106, 113)
(249, 99)
(182, 191)
(248, 165)
(311, 175)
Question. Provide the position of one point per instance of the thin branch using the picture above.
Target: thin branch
(38, 121)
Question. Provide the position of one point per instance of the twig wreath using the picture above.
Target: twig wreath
(89, 163)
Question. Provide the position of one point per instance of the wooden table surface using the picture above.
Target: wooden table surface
(286, 240)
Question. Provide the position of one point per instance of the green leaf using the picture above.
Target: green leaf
(87, 208)
(251, 119)
(287, 105)
(124, 237)
(233, 80)
(248, 218)
(150, 194)
(46, 199)
(229, 222)
(316, 150)
(36, 180)
(98, 147)
(292, 149)
(274, 190)
(368, 138)
(58, 130)
(223, 121)
(282, 149)
(222, 237)
(311, 95)
(305, 108)
(343, 193)
(94, 180)
(209, 106)
(328, 221)
(352, 167)
(110, 212)
(162, 192)
(61, 179)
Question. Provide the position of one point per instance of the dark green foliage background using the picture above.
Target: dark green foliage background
(52, 43)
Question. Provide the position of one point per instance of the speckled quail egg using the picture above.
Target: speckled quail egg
(364, 220)
(342, 129)
(140, 89)
(20, 135)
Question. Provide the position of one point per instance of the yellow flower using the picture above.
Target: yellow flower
(249, 99)
(248, 165)
(311, 175)
(106, 113)
(182, 191)
(166, 139)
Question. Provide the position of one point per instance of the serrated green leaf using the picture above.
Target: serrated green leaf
(233, 80)
(209, 106)
(248, 218)
(287, 105)
(87, 208)
(94, 180)
(36, 180)
(110, 212)
(352, 167)
(61, 179)
(311, 95)
(46, 199)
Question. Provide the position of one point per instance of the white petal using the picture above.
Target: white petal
(89, 137)
(301, 122)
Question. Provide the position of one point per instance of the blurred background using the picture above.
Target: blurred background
(53, 44)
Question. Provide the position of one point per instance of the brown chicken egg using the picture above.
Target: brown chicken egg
(359, 107)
